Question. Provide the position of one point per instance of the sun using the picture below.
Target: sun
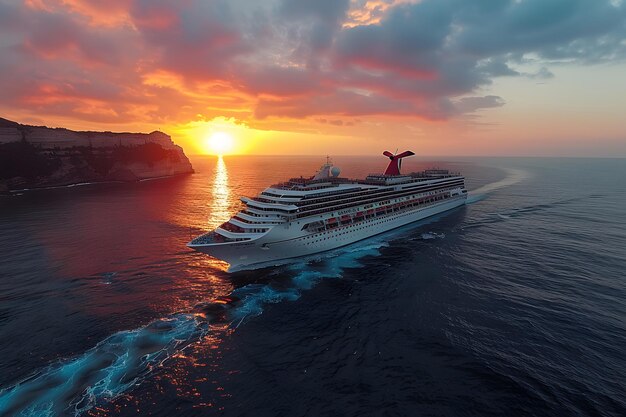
(219, 143)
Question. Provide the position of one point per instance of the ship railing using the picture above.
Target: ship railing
(311, 184)
(389, 209)
(373, 200)
(208, 238)
(243, 220)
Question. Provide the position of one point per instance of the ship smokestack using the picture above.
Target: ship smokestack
(395, 162)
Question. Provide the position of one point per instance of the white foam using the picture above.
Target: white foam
(514, 176)
(305, 276)
(432, 235)
(105, 371)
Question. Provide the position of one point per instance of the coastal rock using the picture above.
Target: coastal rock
(37, 156)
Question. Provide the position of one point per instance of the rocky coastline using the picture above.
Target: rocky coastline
(33, 157)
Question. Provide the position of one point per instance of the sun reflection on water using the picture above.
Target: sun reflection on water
(220, 203)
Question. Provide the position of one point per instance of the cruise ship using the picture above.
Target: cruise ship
(304, 216)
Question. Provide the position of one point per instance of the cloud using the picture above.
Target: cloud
(165, 60)
(472, 104)
(569, 29)
(344, 103)
(317, 20)
(196, 38)
(279, 81)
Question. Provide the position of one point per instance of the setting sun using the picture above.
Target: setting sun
(219, 143)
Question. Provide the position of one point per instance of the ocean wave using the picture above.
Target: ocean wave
(124, 359)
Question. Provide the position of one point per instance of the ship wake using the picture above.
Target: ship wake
(513, 176)
(107, 370)
(123, 360)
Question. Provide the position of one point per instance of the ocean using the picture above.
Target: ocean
(514, 305)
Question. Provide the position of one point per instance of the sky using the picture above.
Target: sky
(439, 77)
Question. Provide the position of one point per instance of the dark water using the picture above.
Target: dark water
(513, 305)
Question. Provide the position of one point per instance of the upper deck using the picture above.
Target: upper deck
(311, 184)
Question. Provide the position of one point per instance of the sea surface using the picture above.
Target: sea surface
(514, 305)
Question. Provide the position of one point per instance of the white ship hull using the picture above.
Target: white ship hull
(289, 241)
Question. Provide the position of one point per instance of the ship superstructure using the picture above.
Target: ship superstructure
(304, 216)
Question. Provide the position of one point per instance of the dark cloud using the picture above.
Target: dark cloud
(422, 58)
(345, 103)
(196, 38)
(279, 81)
(410, 37)
(548, 28)
(293, 58)
(332, 11)
(471, 104)
(442, 49)
(497, 68)
(312, 26)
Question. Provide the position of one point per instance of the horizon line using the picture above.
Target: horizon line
(419, 156)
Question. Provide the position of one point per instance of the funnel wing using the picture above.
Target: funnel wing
(405, 154)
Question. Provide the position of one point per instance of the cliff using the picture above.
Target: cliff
(38, 156)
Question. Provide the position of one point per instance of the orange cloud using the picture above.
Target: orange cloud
(412, 67)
